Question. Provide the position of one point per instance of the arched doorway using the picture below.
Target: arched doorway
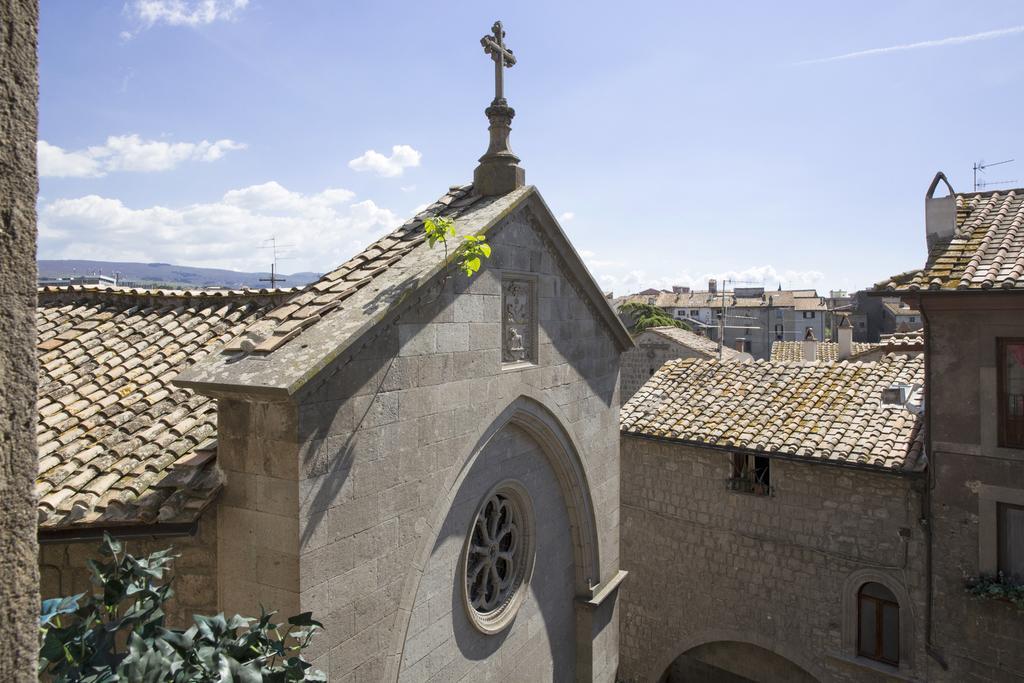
(730, 661)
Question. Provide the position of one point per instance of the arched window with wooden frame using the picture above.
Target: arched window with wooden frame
(878, 619)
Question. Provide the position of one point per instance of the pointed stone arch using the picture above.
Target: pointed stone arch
(536, 416)
(798, 659)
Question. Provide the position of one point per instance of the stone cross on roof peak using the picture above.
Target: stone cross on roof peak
(499, 172)
(494, 45)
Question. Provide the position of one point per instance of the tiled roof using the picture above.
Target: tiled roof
(895, 308)
(986, 252)
(825, 351)
(696, 342)
(329, 292)
(281, 353)
(118, 444)
(898, 339)
(820, 411)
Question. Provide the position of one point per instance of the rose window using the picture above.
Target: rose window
(498, 557)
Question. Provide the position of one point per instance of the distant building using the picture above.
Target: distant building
(656, 345)
(898, 343)
(899, 317)
(754, 318)
(65, 281)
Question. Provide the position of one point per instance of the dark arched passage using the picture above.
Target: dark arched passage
(730, 661)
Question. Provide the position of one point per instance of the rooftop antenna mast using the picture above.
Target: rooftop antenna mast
(274, 246)
(981, 166)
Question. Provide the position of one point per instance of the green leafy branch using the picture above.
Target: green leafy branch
(998, 587)
(470, 253)
(117, 633)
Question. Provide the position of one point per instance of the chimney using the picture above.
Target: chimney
(739, 345)
(712, 286)
(845, 338)
(810, 346)
(499, 171)
(939, 213)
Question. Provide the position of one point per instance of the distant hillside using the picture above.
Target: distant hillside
(167, 275)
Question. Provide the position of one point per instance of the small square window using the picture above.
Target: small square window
(750, 474)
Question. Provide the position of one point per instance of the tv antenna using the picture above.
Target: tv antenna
(274, 246)
(981, 166)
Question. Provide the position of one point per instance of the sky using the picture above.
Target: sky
(764, 143)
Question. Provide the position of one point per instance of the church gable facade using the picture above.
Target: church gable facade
(445, 494)
(429, 460)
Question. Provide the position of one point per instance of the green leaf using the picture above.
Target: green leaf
(486, 250)
(54, 607)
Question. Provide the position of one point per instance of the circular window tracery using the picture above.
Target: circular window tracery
(498, 557)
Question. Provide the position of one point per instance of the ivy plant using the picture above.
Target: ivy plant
(470, 253)
(117, 633)
(997, 587)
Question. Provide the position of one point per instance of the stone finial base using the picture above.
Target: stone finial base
(499, 172)
(490, 179)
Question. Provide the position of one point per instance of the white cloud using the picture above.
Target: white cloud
(126, 153)
(402, 157)
(596, 264)
(566, 217)
(54, 162)
(323, 227)
(941, 42)
(184, 12)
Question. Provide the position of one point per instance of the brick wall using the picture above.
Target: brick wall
(64, 570)
(707, 564)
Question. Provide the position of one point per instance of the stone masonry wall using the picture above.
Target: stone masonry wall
(651, 352)
(258, 532)
(980, 640)
(19, 590)
(384, 438)
(539, 644)
(63, 569)
(708, 564)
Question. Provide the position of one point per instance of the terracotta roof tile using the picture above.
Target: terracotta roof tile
(697, 342)
(111, 425)
(825, 351)
(987, 250)
(326, 295)
(821, 411)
